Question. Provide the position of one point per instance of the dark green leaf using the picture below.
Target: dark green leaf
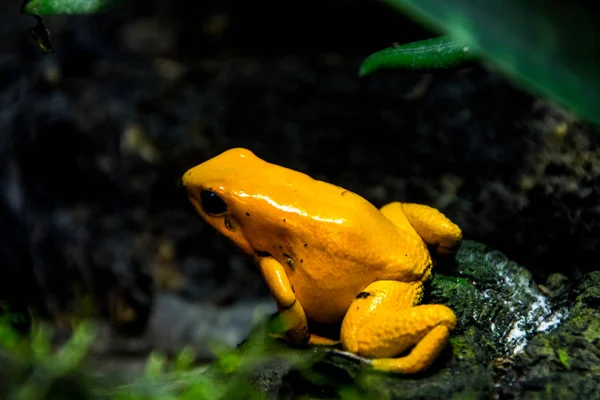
(436, 53)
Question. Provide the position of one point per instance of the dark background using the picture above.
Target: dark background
(94, 140)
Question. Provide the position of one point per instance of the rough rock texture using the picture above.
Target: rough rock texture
(564, 363)
(514, 338)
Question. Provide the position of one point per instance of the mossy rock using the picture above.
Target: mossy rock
(514, 338)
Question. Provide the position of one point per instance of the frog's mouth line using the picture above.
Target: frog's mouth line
(263, 254)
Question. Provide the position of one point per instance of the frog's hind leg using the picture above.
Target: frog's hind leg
(384, 321)
(441, 234)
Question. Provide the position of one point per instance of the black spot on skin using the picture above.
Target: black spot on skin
(406, 255)
(305, 244)
(344, 192)
(281, 247)
(363, 295)
(247, 214)
(284, 220)
(301, 260)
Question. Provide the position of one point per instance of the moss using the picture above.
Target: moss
(564, 363)
(586, 323)
(468, 394)
(563, 356)
(592, 333)
(461, 348)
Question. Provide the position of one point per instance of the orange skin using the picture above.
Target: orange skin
(329, 256)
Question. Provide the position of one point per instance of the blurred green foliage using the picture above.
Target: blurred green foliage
(35, 367)
(548, 47)
(32, 367)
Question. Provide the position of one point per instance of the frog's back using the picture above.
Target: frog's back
(331, 221)
(338, 246)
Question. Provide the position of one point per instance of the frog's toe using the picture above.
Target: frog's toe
(422, 355)
(316, 340)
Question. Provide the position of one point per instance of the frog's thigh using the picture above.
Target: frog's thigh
(383, 321)
(433, 226)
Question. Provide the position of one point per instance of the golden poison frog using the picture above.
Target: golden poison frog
(328, 256)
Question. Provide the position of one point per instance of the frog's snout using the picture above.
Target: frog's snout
(185, 179)
(189, 180)
(190, 186)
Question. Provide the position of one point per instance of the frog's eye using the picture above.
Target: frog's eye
(212, 203)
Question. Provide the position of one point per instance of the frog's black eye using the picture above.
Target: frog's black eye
(212, 203)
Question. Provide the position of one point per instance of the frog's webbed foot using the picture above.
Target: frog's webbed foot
(440, 234)
(383, 322)
(316, 340)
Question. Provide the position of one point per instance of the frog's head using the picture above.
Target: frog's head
(213, 189)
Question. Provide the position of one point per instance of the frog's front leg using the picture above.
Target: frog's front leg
(291, 313)
(443, 235)
(384, 321)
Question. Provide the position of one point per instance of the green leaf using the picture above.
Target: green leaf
(72, 353)
(185, 359)
(551, 48)
(41, 341)
(62, 7)
(436, 53)
(155, 365)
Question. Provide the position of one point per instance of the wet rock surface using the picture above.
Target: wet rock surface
(513, 340)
